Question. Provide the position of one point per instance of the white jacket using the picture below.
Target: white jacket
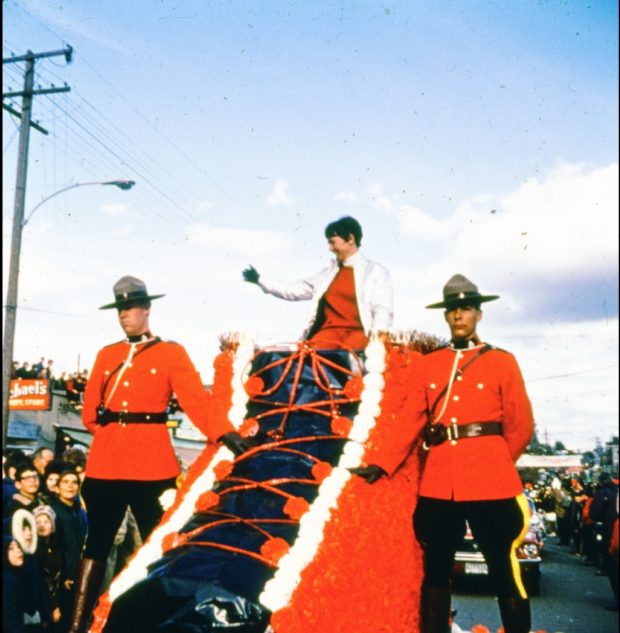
(373, 289)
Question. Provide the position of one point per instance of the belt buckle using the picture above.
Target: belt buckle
(453, 433)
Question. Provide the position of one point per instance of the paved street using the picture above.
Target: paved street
(572, 598)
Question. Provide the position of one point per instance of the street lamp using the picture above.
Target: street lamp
(11, 295)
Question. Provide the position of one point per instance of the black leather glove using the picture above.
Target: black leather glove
(250, 275)
(370, 473)
(235, 443)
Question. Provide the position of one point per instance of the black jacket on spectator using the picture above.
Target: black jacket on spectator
(23, 593)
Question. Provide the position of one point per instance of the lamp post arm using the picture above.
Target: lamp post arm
(122, 184)
(76, 184)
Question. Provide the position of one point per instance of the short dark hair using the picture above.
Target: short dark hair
(14, 456)
(24, 467)
(344, 227)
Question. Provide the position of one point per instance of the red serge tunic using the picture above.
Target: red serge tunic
(341, 324)
(145, 382)
(491, 389)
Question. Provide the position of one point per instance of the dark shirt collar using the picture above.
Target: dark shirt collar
(140, 338)
(469, 343)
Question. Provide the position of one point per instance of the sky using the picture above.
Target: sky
(478, 137)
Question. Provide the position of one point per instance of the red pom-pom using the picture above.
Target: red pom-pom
(480, 628)
(172, 540)
(274, 548)
(296, 507)
(321, 470)
(353, 388)
(254, 385)
(223, 469)
(341, 425)
(249, 427)
(207, 500)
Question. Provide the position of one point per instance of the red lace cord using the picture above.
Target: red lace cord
(271, 485)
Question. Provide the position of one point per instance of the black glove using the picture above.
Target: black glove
(251, 275)
(235, 443)
(370, 473)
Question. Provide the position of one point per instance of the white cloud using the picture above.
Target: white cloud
(564, 223)
(114, 208)
(280, 195)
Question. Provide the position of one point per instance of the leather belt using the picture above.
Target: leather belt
(436, 434)
(105, 416)
(474, 429)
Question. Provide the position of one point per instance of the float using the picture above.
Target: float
(284, 539)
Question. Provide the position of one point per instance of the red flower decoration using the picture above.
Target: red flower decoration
(207, 500)
(321, 470)
(254, 385)
(480, 628)
(172, 540)
(222, 361)
(274, 548)
(296, 507)
(223, 469)
(341, 425)
(353, 388)
(100, 614)
(249, 427)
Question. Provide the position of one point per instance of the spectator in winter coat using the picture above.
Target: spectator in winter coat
(604, 508)
(71, 528)
(49, 555)
(25, 605)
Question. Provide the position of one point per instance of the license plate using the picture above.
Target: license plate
(476, 568)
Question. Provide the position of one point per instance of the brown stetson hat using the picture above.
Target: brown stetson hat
(128, 291)
(460, 291)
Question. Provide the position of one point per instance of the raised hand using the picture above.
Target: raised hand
(250, 274)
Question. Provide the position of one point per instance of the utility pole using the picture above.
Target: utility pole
(18, 211)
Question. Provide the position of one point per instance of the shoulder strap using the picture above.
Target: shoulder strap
(156, 340)
(483, 350)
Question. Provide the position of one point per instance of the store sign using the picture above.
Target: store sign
(30, 395)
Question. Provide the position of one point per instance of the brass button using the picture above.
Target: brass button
(480, 385)
(153, 370)
(124, 403)
(456, 398)
(126, 383)
(432, 385)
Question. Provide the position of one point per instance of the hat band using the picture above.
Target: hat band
(457, 296)
(135, 294)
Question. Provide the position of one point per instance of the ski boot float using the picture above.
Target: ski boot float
(283, 538)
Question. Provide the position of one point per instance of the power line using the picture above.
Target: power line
(574, 373)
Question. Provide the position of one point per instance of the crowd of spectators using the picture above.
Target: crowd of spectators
(582, 513)
(44, 530)
(73, 384)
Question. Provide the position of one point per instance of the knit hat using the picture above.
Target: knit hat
(47, 510)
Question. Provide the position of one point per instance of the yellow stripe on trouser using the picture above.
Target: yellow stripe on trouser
(514, 561)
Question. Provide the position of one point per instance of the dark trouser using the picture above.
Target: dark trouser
(106, 503)
(497, 527)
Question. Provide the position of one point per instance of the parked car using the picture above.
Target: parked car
(469, 561)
